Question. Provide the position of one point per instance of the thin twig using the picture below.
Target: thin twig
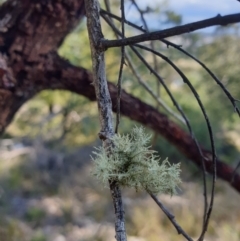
(119, 85)
(107, 4)
(150, 91)
(235, 171)
(171, 217)
(155, 64)
(111, 15)
(151, 42)
(228, 94)
(186, 80)
(170, 32)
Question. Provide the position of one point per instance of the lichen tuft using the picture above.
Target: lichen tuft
(132, 163)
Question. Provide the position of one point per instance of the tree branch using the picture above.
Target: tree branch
(60, 74)
(26, 38)
(187, 28)
(105, 105)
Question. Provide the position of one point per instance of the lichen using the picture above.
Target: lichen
(132, 163)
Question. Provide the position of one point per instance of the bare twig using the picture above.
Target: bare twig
(107, 4)
(235, 171)
(151, 42)
(150, 91)
(187, 28)
(155, 63)
(121, 67)
(171, 217)
(228, 94)
(194, 139)
(104, 104)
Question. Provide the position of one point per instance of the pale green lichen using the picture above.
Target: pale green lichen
(132, 163)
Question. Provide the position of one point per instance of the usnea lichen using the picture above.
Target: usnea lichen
(132, 163)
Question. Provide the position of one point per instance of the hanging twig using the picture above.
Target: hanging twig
(131, 65)
(104, 104)
(133, 68)
(155, 64)
(107, 4)
(235, 171)
(151, 92)
(119, 85)
(185, 79)
(171, 217)
(228, 94)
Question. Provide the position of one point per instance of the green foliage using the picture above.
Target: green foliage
(35, 215)
(132, 163)
(39, 237)
(10, 230)
(173, 17)
(57, 116)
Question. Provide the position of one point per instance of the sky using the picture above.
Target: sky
(194, 10)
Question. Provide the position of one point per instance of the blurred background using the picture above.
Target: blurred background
(47, 192)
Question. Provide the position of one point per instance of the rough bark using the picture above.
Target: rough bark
(29, 36)
(29, 31)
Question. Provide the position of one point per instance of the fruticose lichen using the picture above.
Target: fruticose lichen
(132, 163)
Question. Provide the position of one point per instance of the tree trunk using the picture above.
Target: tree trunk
(29, 32)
